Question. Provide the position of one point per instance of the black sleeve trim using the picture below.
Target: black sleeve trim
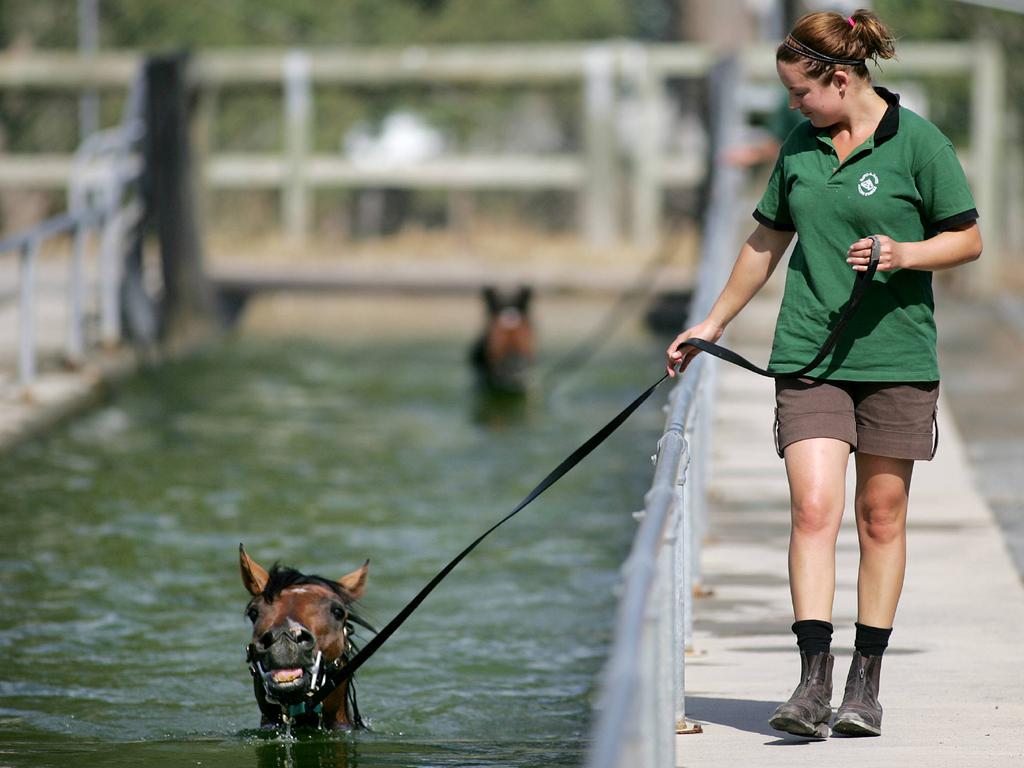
(955, 220)
(772, 224)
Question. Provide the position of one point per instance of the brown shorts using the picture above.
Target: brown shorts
(891, 419)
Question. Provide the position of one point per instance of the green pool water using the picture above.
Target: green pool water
(121, 623)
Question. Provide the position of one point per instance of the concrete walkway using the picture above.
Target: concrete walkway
(952, 679)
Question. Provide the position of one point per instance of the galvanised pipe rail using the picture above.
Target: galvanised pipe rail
(642, 705)
(95, 205)
(27, 245)
(636, 726)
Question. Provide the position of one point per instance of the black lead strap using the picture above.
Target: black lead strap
(860, 285)
(338, 675)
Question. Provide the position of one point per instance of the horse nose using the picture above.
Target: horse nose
(267, 639)
(294, 632)
(302, 637)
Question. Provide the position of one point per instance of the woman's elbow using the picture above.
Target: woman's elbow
(970, 245)
(974, 251)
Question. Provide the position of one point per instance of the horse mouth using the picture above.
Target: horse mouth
(286, 678)
(288, 684)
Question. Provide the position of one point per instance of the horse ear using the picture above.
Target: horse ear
(254, 577)
(355, 583)
(490, 294)
(523, 300)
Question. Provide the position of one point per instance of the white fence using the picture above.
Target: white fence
(613, 78)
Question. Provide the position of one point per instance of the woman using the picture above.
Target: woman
(860, 165)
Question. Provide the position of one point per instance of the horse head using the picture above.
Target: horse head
(505, 349)
(302, 628)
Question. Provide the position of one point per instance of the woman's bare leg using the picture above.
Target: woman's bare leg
(883, 486)
(817, 483)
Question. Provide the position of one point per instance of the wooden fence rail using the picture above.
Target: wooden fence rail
(602, 174)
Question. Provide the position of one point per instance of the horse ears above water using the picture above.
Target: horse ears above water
(498, 300)
(254, 576)
(490, 294)
(355, 583)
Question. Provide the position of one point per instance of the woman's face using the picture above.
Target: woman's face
(816, 99)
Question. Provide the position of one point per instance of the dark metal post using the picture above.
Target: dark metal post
(189, 301)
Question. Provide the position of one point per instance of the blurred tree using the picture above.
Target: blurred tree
(657, 20)
(203, 23)
(916, 20)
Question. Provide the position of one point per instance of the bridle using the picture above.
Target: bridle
(325, 678)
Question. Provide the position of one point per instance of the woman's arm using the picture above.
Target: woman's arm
(756, 261)
(947, 249)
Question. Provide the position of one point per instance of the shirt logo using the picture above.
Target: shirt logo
(868, 184)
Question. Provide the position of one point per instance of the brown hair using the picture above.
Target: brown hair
(826, 41)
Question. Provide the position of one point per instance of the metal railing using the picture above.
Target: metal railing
(107, 166)
(642, 704)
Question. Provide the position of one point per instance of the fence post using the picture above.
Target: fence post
(600, 222)
(646, 724)
(110, 266)
(682, 576)
(662, 684)
(988, 110)
(76, 336)
(689, 545)
(189, 305)
(298, 107)
(646, 150)
(26, 317)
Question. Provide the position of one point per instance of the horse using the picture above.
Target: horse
(302, 627)
(503, 352)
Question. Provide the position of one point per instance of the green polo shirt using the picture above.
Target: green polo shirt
(904, 182)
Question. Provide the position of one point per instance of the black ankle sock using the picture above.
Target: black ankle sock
(813, 636)
(871, 641)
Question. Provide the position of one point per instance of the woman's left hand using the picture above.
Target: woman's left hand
(889, 257)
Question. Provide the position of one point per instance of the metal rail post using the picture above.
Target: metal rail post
(26, 315)
(76, 296)
(988, 111)
(663, 686)
(680, 599)
(298, 108)
(598, 201)
(645, 152)
(110, 266)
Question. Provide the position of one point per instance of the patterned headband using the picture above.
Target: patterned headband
(805, 50)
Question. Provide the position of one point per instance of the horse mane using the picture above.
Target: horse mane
(280, 577)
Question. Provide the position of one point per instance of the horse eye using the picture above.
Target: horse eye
(338, 612)
(252, 613)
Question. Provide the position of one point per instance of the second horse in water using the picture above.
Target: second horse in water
(503, 354)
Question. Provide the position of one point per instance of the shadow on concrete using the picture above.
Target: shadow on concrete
(743, 715)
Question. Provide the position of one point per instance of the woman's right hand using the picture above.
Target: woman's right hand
(681, 356)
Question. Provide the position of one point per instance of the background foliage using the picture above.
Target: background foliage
(945, 20)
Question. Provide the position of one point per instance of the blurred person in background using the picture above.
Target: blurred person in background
(765, 150)
(859, 166)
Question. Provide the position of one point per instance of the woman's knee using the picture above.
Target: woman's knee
(882, 517)
(816, 514)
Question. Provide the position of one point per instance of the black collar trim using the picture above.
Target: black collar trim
(890, 122)
(889, 125)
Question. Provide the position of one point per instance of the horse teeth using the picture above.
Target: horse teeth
(286, 675)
